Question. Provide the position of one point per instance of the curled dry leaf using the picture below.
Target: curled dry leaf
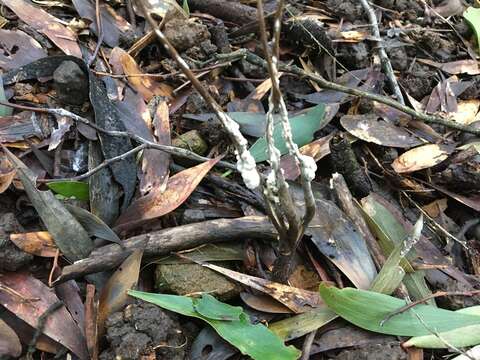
(297, 300)
(47, 24)
(18, 49)
(157, 203)
(145, 85)
(370, 129)
(38, 243)
(114, 294)
(9, 342)
(7, 173)
(421, 157)
(30, 298)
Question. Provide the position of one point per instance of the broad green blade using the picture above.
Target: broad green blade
(368, 310)
(211, 308)
(461, 337)
(303, 127)
(76, 189)
(257, 341)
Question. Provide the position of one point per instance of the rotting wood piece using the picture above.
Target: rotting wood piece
(166, 241)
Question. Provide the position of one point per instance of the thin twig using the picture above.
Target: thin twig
(425, 299)
(184, 153)
(385, 61)
(431, 119)
(100, 34)
(307, 345)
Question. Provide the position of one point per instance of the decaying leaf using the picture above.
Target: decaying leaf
(70, 237)
(7, 173)
(370, 129)
(422, 157)
(297, 300)
(47, 24)
(38, 243)
(18, 49)
(30, 298)
(114, 294)
(469, 67)
(337, 238)
(157, 203)
(9, 342)
(145, 85)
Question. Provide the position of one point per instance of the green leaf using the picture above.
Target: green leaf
(4, 110)
(461, 337)
(257, 341)
(211, 308)
(302, 324)
(303, 127)
(368, 309)
(76, 189)
(390, 232)
(472, 16)
(185, 7)
(93, 224)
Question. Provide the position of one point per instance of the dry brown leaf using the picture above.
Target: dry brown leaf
(145, 85)
(467, 111)
(370, 129)
(158, 203)
(7, 173)
(39, 243)
(18, 49)
(297, 300)
(47, 24)
(264, 303)
(29, 298)
(113, 296)
(316, 149)
(469, 67)
(9, 342)
(419, 158)
(435, 208)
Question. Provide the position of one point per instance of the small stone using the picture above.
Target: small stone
(183, 279)
(191, 140)
(70, 83)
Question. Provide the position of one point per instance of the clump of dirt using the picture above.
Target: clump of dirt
(184, 34)
(144, 330)
(409, 9)
(350, 10)
(434, 43)
(11, 257)
(353, 56)
(398, 58)
(419, 82)
(373, 352)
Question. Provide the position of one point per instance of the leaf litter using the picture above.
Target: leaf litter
(81, 197)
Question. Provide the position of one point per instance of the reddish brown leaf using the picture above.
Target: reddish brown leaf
(18, 49)
(91, 307)
(29, 298)
(469, 67)
(47, 24)
(114, 294)
(158, 203)
(39, 243)
(9, 341)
